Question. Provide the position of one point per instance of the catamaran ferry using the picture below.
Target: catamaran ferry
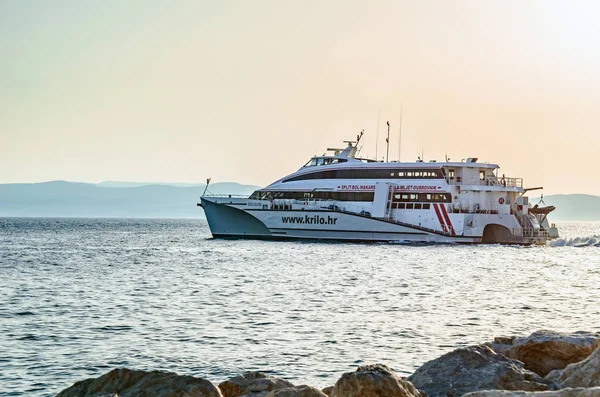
(343, 197)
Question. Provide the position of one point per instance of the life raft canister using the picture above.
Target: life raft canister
(501, 200)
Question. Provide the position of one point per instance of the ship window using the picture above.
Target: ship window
(392, 174)
(417, 206)
(481, 175)
(451, 174)
(426, 206)
(413, 196)
(410, 206)
(405, 197)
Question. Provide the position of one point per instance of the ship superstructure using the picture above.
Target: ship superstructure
(344, 197)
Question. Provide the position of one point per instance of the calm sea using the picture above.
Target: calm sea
(79, 297)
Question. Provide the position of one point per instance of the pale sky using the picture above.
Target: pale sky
(248, 91)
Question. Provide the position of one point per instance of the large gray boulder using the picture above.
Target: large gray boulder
(474, 368)
(577, 392)
(297, 391)
(125, 382)
(585, 373)
(374, 381)
(544, 351)
(252, 384)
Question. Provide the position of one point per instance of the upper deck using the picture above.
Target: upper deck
(344, 168)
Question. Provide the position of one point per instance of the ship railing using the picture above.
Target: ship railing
(504, 181)
(530, 232)
(226, 195)
(489, 181)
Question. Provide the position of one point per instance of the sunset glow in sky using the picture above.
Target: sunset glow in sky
(247, 91)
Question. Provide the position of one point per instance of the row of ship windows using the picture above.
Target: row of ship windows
(385, 173)
(423, 197)
(352, 196)
(411, 206)
(335, 196)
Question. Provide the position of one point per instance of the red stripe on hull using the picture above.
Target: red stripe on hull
(447, 218)
(442, 223)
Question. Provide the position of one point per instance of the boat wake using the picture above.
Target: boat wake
(591, 241)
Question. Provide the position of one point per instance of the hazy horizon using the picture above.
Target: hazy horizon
(121, 184)
(248, 91)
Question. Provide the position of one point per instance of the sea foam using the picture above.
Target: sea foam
(590, 241)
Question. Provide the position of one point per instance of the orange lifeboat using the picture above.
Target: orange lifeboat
(541, 210)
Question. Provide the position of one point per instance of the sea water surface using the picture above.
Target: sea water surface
(79, 297)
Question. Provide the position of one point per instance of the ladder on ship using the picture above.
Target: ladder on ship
(527, 226)
(389, 203)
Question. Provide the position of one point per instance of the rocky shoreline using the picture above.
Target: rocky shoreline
(545, 364)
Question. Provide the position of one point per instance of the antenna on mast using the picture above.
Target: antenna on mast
(387, 143)
(358, 149)
(377, 136)
(206, 187)
(400, 135)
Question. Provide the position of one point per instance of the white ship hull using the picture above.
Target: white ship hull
(342, 197)
(234, 218)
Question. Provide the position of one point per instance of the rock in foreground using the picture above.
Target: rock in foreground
(578, 392)
(544, 351)
(130, 383)
(374, 381)
(585, 373)
(474, 368)
(256, 384)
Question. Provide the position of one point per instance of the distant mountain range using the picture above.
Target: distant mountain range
(108, 199)
(163, 200)
(572, 207)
